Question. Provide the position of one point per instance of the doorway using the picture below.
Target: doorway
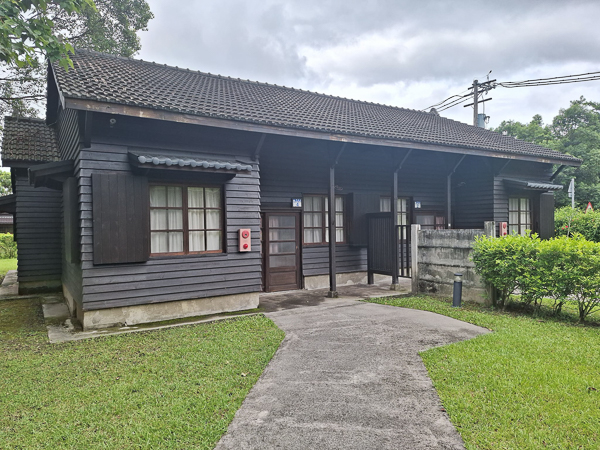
(281, 241)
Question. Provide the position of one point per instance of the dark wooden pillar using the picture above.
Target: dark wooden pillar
(394, 209)
(331, 219)
(449, 201)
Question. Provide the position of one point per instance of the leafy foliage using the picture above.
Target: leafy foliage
(575, 131)
(8, 246)
(5, 183)
(563, 269)
(568, 221)
(504, 262)
(27, 29)
(37, 30)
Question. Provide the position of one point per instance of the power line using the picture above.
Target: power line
(578, 78)
(458, 99)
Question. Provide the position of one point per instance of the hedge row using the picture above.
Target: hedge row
(8, 246)
(561, 269)
(568, 221)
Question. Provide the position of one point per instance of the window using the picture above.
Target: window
(431, 221)
(385, 205)
(185, 219)
(519, 215)
(316, 226)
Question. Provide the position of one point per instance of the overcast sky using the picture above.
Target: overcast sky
(407, 53)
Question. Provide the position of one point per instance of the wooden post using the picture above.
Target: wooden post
(394, 209)
(414, 257)
(331, 218)
(449, 201)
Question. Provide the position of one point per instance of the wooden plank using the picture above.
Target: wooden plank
(103, 304)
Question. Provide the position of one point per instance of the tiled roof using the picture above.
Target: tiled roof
(158, 160)
(126, 81)
(28, 140)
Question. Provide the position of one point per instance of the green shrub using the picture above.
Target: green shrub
(8, 246)
(564, 269)
(568, 221)
(505, 263)
(555, 260)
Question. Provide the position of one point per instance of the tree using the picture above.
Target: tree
(574, 131)
(534, 131)
(34, 31)
(26, 30)
(5, 183)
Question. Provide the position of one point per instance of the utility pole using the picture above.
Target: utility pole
(475, 102)
(486, 86)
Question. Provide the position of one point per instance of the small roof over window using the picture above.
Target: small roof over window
(531, 185)
(155, 161)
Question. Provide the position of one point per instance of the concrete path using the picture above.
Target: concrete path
(348, 376)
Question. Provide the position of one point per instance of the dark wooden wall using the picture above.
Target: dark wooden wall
(67, 130)
(291, 168)
(38, 231)
(473, 193)
(71, 256)
(525, 170)
(164, 279)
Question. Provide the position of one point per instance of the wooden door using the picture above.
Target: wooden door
(281, 251)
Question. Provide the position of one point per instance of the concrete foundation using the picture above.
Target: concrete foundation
(70, 301)
(343, 279)
(39, 287)
(132, 315)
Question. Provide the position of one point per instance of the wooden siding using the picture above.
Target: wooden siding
(67, 127)
(520, 170)
(71, 260)
(163, 279)
(38, 233)
(315, 260)
(292, 168)
(472, 192)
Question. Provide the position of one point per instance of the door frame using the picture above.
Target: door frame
(264, 230)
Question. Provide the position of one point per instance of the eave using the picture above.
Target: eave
(149, 113)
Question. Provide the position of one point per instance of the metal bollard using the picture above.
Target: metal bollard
(457, 294)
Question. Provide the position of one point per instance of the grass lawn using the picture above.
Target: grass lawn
(532, 384)
(173, 388)
(6, 265)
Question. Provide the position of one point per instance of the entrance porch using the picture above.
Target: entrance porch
(277, 301)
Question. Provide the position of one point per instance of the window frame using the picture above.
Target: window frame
(407, 212)
(519, 211)
(324, 223)
(185, 218)
(439, 220)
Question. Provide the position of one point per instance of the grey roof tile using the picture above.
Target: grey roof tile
(158, 160)
(126, 81)
(28, 139)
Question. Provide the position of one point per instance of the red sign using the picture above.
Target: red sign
(589, 207)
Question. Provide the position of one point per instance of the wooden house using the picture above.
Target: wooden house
(163, 192)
